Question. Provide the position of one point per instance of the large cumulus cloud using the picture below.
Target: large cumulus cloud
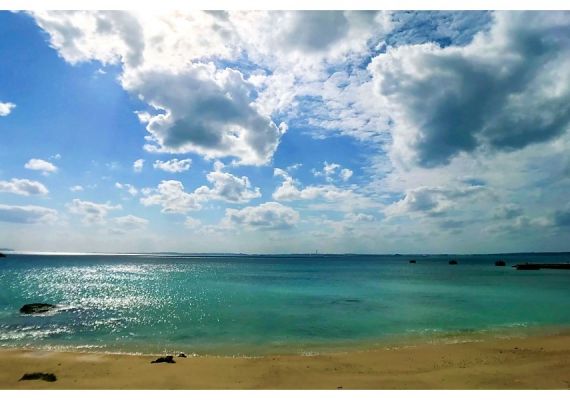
(510, 87)
(204, 110)
(196, 106)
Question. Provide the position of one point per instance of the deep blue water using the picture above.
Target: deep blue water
(253, 305)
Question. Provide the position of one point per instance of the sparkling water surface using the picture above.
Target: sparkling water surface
(259, 304)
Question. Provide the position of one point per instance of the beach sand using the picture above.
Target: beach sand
(534, 362)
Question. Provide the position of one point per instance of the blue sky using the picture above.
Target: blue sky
(268, 132)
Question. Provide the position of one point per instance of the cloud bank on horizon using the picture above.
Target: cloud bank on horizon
(342, 131)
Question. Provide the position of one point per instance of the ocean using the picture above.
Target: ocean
(254, 305)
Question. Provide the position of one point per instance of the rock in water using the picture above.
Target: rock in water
(167, 359)
(39, 376)
(36, 308)
(2, 255)
(412, 261)
(500, 263)
(453, 262)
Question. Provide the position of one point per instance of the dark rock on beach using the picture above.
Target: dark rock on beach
(182, 355)
(36, 308)
(500, 263)
(34, 376)
(166, 359)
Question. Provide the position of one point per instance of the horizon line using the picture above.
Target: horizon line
(241, 254)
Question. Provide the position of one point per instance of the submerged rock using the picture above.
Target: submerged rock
(453, 262)
(166, 359)
(48, 377)
(412, 261)
(346, 301)
(36, 308)
(500, 263)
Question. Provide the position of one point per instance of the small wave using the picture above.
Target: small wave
(30, 332)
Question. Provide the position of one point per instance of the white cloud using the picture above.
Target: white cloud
(337, 104)
(508, 88)
(345, 174)
(432, 201)
(27, 214)
(353, 225)
(221, 121)
(130, 189)
(138, 165)
(328, 171)
(77, 188)
(283, 127)
(113, 37)
(333, 171)
(289, 38)
(359, 217)
(293, 167)
(227, 187)
(170, 195)
(266, 216)
(130, 222)
(192, 223)
(40, 165)
(23, 187)
(173, 165)
(6, 108)
(91, 213)
(346, 199)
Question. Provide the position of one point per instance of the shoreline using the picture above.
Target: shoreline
(532, 361)
(322, 348)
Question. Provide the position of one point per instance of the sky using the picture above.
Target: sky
(285, 132)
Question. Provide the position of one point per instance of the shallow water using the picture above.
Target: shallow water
(257, 305)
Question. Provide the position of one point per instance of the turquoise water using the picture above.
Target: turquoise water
(256, 305)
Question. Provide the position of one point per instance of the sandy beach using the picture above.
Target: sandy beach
(533, 362)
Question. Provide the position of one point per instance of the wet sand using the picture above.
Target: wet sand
(534, 362)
